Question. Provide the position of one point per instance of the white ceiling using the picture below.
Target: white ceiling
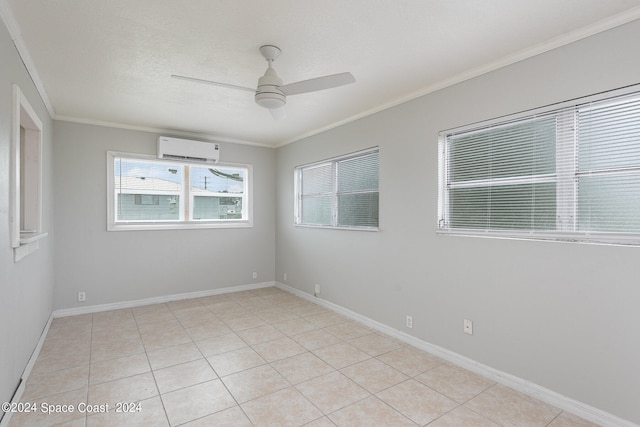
(110, 61)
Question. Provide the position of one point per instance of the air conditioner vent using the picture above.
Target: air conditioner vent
(188, 150)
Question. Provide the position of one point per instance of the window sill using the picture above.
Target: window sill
(29, 243)
(607, 239)
(30, 237)
(132, 226)
(331, 227)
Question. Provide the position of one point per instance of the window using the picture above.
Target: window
(569, 173)
(26, 188)
(147, 193)
(340, 192)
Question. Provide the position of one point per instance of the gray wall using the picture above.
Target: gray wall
(26, 286)
(561, 315)
(128, 265)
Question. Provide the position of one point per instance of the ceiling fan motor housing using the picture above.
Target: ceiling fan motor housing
(268, 94)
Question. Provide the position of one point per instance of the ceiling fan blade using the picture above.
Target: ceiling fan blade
(210, 82)
(319, 83)
(278, 113)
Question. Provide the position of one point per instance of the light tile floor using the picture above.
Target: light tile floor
(256, 358)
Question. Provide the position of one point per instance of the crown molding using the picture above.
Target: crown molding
(551, 44)
(16, 35)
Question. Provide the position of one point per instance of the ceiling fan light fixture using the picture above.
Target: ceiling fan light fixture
(268, 94)
(270, 99)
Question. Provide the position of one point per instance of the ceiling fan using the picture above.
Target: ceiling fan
(271, 93)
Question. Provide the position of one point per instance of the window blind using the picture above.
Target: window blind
(570, 173)
(608, 175)
(503, 177)
(340, 192)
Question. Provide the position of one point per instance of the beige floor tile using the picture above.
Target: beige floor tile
(462, 416)
(417, 401)
(56, 382)
(294, 326)
(326, 319)
(129, 389)
(244, 322)
(242, 295)
(307, 309)
(283, 408)
(566, 419)
(260, 334)
(301, 367)
(271, 291)
(76, 326)
(62, 355)
(375, 344)
(78, 422)
(235, 361)
(232, 417)
(114, 349)
(113, 369)
(191, 403)
(410, 360)
(509, 407)
(164, 336)
(152, 314)
(279, 349)
(206, 330)
(213, 299)
(332, 391)
(194, 316)
(221, 344)
(149, 412)
(115, 331)
(254, 383)
(66, 342)
(184, 304)
(348, 330)
(454, 382)
(316, 338)
(227, 309)
(321, 422)
(67, 321)
(109, 357)
(370, 412)
(183, 375)
(170, 356)
(125, 314)
(275, 316)
(341, 355)
(45, 418)
(256, 304)
(374, 375)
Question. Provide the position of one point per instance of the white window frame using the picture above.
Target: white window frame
(334, 192)
(186, 196)
(26, 178)
(565, 177)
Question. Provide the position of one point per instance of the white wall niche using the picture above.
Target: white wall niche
(26, 176)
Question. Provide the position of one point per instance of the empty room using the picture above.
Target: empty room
(320, 213)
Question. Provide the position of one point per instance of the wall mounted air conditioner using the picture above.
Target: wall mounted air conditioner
(188, 150)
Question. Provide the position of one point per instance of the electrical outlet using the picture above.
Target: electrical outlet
(82, 296)
(316, 292)
(285, 277)
(255, 275)
(468, 327)
(409, 322)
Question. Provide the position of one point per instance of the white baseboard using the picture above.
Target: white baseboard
(573, 406)
(558, 400)
(157, 300)
(17, 396)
